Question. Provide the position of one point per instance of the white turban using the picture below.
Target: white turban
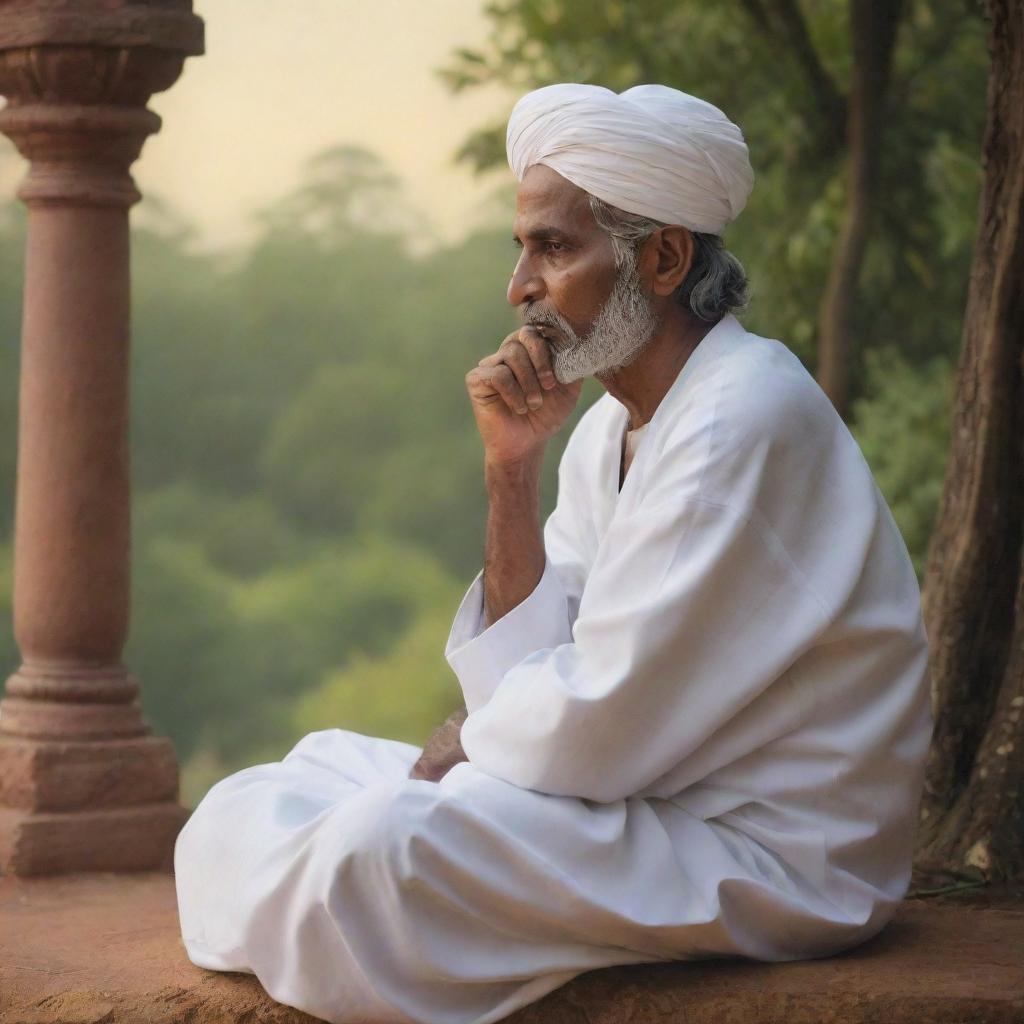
(650, 150)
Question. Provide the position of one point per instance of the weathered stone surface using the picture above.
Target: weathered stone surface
(134, 838)
(67, 776)
(105, 949)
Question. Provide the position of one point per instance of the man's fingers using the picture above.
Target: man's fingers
(540, 354)
(504, 382)
(536, 346)
(500, 379)
(524, 359)
(518, 359)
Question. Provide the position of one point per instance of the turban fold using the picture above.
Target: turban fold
(650, 150)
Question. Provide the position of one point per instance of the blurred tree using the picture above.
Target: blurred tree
(191, 415)
(242, 536)
(182, 623)
(324, 451)
(430, 491)
(300, 622)
(873, 27)
(223, 661)
(400, 695)
(234, 340)
(973, 812)
(902, 426)
(806, 82)
(346, 190)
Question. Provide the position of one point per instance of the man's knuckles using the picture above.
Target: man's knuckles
(519, 371)
(484, 382)
(525, 364)
(540, 354)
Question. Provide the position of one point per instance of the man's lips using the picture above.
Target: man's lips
(550, 334)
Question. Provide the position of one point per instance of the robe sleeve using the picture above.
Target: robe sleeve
(692, 610)
(481, 657)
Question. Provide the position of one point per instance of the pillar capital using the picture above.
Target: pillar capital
(77, 77)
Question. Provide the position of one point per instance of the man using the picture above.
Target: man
(697, 703)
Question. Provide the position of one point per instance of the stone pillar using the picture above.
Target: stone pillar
(83, 784)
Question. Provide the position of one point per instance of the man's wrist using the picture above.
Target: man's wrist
(514, 548)
(514, 473)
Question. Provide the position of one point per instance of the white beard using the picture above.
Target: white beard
(624, 325)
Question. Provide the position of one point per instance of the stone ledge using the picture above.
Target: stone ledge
(105, 949)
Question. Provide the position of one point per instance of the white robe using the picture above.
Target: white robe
(702, 734)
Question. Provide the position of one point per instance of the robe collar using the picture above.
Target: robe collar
(720, 338)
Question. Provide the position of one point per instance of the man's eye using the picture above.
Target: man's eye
(555, 247)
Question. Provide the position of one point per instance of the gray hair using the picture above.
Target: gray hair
(716, 283)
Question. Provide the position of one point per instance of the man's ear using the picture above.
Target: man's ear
(671, 256)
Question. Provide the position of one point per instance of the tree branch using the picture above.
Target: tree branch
(784, 22)
(757, 14)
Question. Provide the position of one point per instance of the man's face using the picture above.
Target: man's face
(566, 279)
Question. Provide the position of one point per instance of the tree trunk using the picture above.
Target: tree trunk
(973, 809)
(873, 25)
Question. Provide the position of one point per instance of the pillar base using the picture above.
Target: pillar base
(105, 805)
(139, 838)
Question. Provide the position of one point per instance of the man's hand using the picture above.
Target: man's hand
(442, 750)
(517, 402)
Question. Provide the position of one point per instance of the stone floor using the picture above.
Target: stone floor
(104, 949)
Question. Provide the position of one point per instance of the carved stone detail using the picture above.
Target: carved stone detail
(167, 24)
(106, 685)
(78, 155)
(83, 75)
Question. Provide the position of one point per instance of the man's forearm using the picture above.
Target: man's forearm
(514, 545)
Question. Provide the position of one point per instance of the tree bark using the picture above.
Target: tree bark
(973, 808)
(873, 27)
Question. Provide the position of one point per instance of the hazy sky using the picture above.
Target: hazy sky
(283, 79)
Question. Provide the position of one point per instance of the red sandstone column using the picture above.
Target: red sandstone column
(83, 785)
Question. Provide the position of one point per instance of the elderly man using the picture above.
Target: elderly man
(697, 701)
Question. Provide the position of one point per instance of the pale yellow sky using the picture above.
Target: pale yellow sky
(283, 79)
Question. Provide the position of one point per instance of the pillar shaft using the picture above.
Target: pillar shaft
(82, 783)
(72, 537)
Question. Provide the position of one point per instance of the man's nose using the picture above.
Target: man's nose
(525, 285)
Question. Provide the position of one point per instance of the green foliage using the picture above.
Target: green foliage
(340, 419)
(902, 425)
(432, 497)
(241, 536)
(300, 622)
(223, 659)
(400, 695)
(179, 643)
